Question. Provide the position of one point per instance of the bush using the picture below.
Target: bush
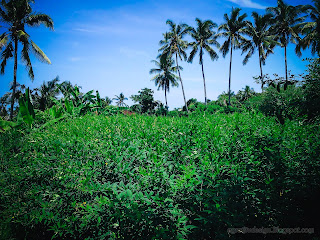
(311, 104)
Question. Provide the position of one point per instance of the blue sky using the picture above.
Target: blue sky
(108, 46)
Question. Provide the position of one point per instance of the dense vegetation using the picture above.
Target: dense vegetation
(147, 177)
(73, 166)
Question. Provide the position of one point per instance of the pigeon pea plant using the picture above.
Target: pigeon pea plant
(147, 177)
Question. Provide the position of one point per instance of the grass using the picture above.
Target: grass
(147, 177)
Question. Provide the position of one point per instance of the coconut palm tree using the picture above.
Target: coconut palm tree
(47, 91)
(261, 38)
(15, 16)
(288, 23)
(311, 30)
(245, 94)
(204, 37)
(107, 101)
(174, 45)
(120, 100)
(165, 77)
(232, 30)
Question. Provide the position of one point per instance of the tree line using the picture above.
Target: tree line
(278, 26)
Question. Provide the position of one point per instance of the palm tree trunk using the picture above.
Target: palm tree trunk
(261, 73)
(14, 76)
(184, 97)
(230, 75)
(165, 95)
(285, 59)
(204, 85)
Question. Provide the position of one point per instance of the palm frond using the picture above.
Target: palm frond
(40, 18)
(6, 54)
(39, 53)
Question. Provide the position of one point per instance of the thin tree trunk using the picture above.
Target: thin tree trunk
(230, 75)
(165, 95)
(184, 97)
(261, 73)
(14, 76)
(285, 59)
(204, 85)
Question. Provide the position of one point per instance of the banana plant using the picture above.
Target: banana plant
(26, 113)
(26, 110)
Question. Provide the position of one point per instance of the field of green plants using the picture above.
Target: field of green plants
(151, 177)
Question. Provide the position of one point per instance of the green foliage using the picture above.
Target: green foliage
(26, 111)
(283, 105)
(146, 177)
(145, 100)
(311, 104)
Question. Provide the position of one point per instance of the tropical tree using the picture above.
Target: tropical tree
(15, 15)
(165, 70)
(8, 97)
(44, 95)
(311, 30)
(233, 30)
(203, 36)
(288, 24)
(145, 100)
(107, 101)
(245, 94)
(174, 45)
(261, 38)
(120, 100)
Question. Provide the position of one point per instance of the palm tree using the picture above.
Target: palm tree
(288, 23)
(173, 44)
(261, 38)
(311, 30)
(120, 100)
(203, 36)
(47, 91)
(245, 94)
(165, 75)
(16, 15)
(107, 101)
(233, 28)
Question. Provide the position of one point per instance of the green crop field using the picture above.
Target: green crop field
(148, 177)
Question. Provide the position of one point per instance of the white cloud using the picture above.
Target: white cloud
(74, 59)
(248, 4)
(132, 52)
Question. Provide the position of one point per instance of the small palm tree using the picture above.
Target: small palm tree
(165, 75)
(288, 24)
(204, 37)
(107, 101)
(232, 30)
(245, 94)
(311, 30)
(173, 44)
(15, 15)
(120, 100)
(47, 91)
(261, 38)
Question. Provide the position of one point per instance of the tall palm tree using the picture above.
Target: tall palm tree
(232, 30)
(173, 44)
(203, 36)
(16, 15)
(261, 38)
(120, 100)
(311, 30)
(288, 23)
(165, 75)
